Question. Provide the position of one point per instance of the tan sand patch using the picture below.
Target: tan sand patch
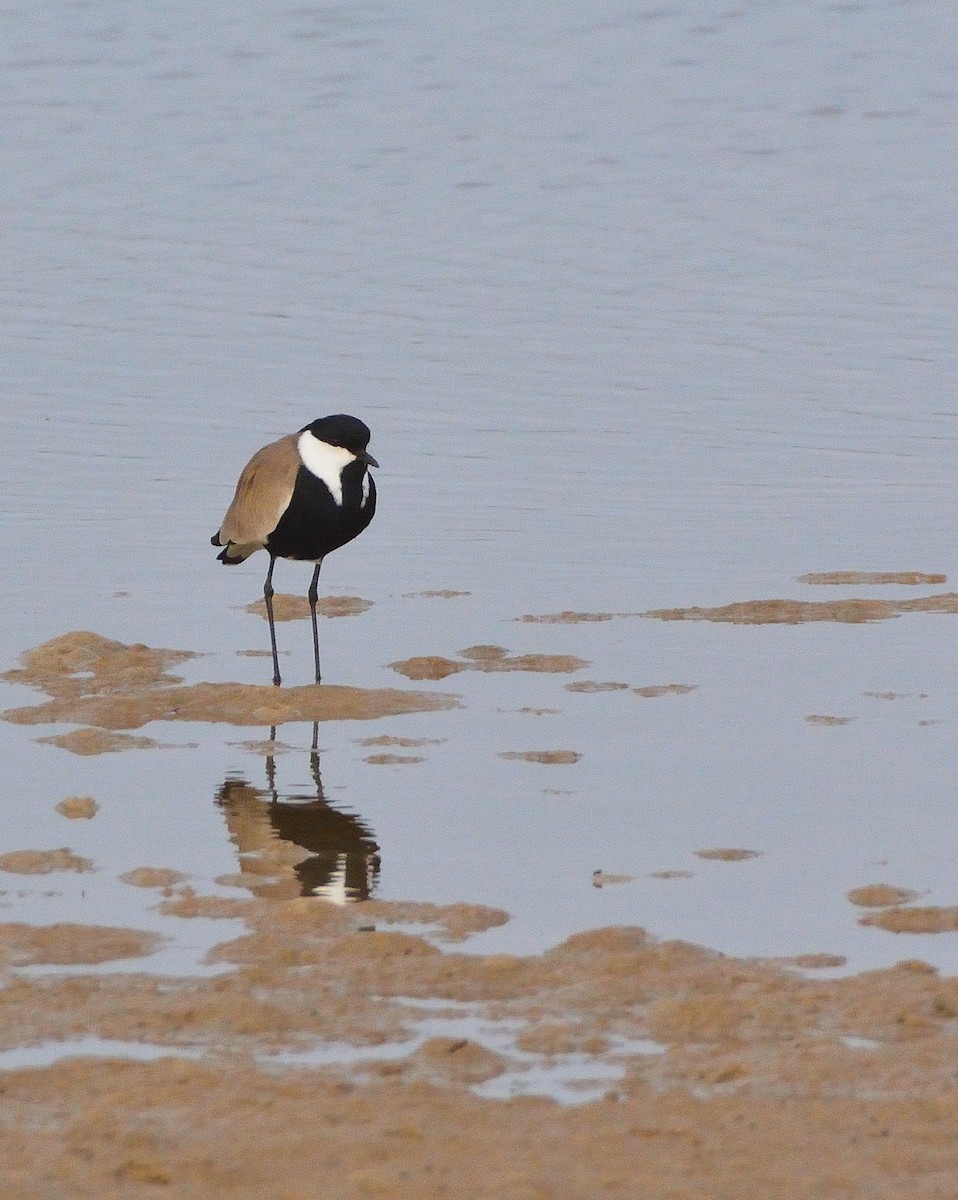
(816, 962)
(880, 895)
(77, 664)
(906, 578)
(296, 608)
(591, 685)
(528, 710)
(187, 904)
(607, 879)
(486, 658)
(436, 594)
(269, 747)
(671, 874)
(455, 921)
(571, 618)
(728, 854)
(153, 877)
(446, 1058)
(826, 720)
(797, 612)
(562, 1037)
(388, 739)
(913, 920)
(916, 964)
(548, 757)
(666, 689)
(235, 704)
(97, 741)
(78, 808)
(65, 944)
(428, 667)
(42, 862)
(111, 686)
(388, 760)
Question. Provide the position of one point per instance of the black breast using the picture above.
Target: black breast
(314, 524)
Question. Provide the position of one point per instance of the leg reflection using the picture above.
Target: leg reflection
(330, 852)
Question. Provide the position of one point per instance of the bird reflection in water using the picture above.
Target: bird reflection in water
(331, 853)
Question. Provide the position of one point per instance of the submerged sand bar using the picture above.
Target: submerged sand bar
(854, 611)
(98, 682)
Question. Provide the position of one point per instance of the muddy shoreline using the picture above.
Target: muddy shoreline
(696, 1074)
(365, 1046)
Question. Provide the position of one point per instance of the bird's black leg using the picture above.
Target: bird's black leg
(314, 762)
(268, 597)
(313, 595)
(271, 766)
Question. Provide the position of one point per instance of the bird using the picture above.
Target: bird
(301, 497)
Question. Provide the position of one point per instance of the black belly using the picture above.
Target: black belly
(314, 524)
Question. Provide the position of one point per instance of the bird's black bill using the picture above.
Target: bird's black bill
(367, 458)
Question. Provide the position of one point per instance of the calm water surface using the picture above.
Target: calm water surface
(646, 306)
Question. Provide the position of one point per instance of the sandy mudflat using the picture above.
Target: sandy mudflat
(854, 611)
(109, 686)
(486, 658)
(296, 608)
(761, 1080)
(871, 578)
(349, 1052)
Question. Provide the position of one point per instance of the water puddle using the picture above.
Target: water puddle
(49, 1053)
(483, 1053)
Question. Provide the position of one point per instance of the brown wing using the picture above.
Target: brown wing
(262, 496)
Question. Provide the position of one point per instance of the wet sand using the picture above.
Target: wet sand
(109, 686)
(296, 608)
(486, 658)
(854, 611)
(755, 1078)
(872, 578)
(364, 1046)
(851, 610)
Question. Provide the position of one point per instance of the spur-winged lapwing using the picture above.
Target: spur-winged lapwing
(301, 497)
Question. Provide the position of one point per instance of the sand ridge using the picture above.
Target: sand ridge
(107, 685)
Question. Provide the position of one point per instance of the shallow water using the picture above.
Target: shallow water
(568, 1078)
(646, 309)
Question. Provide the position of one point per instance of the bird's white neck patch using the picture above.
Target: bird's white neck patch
(335, 889)
(326, 462)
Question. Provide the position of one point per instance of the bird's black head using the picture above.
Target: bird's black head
(342, 430)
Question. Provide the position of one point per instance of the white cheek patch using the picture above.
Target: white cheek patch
(325, 462)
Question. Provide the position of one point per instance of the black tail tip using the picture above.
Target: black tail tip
(224, 557)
